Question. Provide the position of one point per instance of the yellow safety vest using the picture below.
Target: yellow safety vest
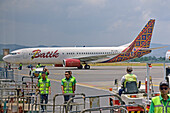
(40, 75)
(129, 78)
(44, 86)
(38, 66)
(159, 106)
(68, 85)
(74, 79)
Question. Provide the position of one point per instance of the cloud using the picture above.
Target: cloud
(97, 3)
(85, 8)
(146, 15)
(73, 22)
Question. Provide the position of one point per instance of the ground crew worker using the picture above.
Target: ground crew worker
(31, 73)
(44, 86)
(9, 66)
(20, 66)
(46, 72)
(127, 78)
(67, 86)
(38, 65)
(161, 104)
(74, 79)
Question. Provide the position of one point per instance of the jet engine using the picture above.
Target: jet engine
(71, 63)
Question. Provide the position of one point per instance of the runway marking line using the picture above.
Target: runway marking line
(153, 84)
(82, 84)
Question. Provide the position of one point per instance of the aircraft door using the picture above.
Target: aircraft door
(25, 55)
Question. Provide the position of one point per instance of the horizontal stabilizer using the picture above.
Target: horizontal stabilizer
(147, 49)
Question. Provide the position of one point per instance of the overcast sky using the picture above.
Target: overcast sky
(81, 22)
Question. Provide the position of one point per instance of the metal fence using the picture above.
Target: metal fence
(14, 101)
(21, 97)
(16, 97)
(63, 107)
(6, 74)
(112, 109)
(90, 103)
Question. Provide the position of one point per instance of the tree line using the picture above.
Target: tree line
(148, 58)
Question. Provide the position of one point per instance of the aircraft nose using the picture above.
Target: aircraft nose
(6, 58)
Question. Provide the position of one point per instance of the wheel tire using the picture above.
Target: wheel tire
(80, 67)
(87, 67)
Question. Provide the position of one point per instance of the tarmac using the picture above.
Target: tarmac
(98, 77)
(95, 81)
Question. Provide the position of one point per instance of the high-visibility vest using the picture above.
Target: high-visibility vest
(38, 66)
(44, 86)
(72, 77)
(40, 75)
(159, 107)
(129, 78)
(68, 85)
(32, 72)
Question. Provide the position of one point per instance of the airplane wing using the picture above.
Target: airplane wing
(97, 57)
(148, 49)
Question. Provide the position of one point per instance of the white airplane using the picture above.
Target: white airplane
(167, 56)
(76, 56)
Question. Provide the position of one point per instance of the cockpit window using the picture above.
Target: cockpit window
(13, 53)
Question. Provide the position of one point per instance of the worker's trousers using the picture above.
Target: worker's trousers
(43, 97)
(120, 91)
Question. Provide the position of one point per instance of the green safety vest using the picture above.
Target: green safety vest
(159, 106)
(129, 78)
(68, 85)
(44, 86)
(20, 64)
(40, 77)
(73, 78)
(32, 71)
(38, 66)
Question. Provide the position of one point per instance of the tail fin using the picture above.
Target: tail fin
(144, 38)
(142, 41)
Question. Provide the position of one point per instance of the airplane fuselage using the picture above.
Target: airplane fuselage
(57, 55)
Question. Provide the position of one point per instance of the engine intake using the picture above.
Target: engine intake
(71, 62)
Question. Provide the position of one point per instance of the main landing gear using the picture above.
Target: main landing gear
(85, 67)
